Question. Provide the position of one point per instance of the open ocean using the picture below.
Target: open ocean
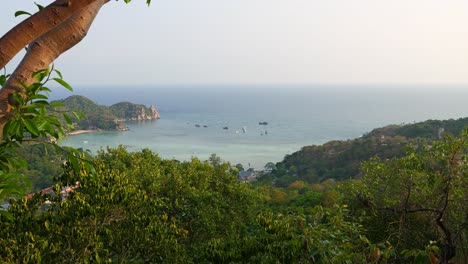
(297, 116)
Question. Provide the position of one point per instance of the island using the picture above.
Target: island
(105, 118)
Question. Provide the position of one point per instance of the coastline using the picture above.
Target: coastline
(79, 132)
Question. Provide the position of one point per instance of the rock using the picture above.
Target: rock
(121, 127)
(154, 113)
(142, 114)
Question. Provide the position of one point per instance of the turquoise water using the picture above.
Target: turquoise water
(296, 117)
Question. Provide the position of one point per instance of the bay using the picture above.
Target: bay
(297, 116)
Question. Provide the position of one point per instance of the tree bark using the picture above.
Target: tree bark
(36, 25)
(44, 50)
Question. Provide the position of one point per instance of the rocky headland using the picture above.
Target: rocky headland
(126, 111)
(106, 118)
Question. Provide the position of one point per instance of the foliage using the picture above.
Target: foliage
(431, 129)
(127, 110)
(239, 167)
(215, 160)
(30, 118)
(99, 116)
(336, 159)
(96, 116)
(342, 159)
(327, 238)
(44, 163)
(30, 122)
(134, 207)
(417, 199)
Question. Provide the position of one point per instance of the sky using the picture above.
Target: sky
(264, 42)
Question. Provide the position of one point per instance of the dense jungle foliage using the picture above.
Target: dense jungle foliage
(341, 160)
(138, 207)
(405, 207)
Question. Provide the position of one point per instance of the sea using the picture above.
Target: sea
(197, 121)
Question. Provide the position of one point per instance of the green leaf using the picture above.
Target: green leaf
(45, 89)
(67, 119)
(6, 130)
(78, 115)
(2, 80)
(39, 96)
(64, 84)
(56, 104)
(59, 74)
(36, 104)
(32, 128)
(42, 125)
(34, 88)
(39, 76)
(7, 215)
(39, 6)
(19, 13)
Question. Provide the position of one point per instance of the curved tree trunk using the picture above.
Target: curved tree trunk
(36, 25)
(44, 50)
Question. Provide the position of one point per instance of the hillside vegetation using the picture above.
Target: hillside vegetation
(340, 160)
(104, 117)
(402, 207)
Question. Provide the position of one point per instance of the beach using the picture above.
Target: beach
(79, 132)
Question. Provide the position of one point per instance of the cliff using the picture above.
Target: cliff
(107, 117)
(126, 111)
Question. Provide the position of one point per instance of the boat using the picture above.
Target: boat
(263, 123)
(244, 129)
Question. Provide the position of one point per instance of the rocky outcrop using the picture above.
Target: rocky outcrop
(142, 114)
(154, 113)
(126, 111)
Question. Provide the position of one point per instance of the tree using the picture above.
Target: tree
(23, 96)
(422, 196)
(47, 34)
(132, 208)
(270, 166)
(239, 167)
(215, 160)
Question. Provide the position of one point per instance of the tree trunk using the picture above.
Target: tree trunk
(44, 50)
(36, 25)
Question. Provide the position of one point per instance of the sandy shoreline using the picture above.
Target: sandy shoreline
(78, 132)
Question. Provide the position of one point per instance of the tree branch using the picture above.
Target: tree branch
(36, 25)
(44, 50)
(408, 211)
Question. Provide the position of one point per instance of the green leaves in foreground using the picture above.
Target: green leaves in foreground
(31, 122)
(138, 208)
(31, 111)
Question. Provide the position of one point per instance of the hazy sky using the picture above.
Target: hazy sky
(197, 42)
